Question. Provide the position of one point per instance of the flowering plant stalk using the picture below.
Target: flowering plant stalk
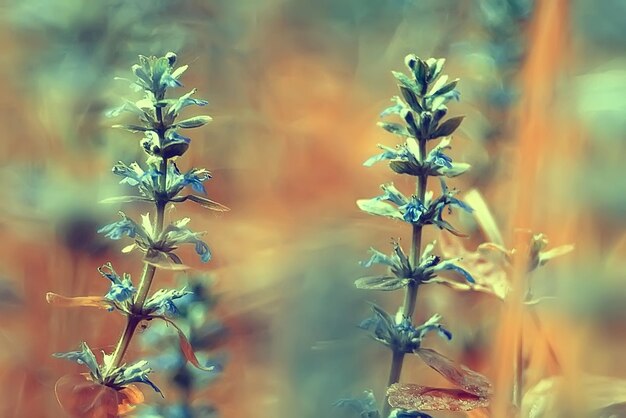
(108, 387)
(421, 110)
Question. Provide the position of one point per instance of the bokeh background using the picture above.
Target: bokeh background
(295, 88)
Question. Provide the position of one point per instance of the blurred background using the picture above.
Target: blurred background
(295, 88)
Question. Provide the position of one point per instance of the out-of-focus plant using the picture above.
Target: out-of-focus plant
(422, 109)
(197, 319)
(108, 387)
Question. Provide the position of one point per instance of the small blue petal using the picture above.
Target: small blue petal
(413, 211)
(442, 160)
(378, 258)
(387, 155)
(462, 271)
(121, 292)
(203, 251)
(83, 357)
(118, 229)
(461, 204)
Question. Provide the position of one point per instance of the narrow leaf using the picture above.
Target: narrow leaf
(204, 202)
(376, 207)
(447, 127)
(445, 89)
(79, 301)
(394, 128)
(162, 261)
(194, 122)
(456, 170)
(411, 99)
(468, 380)
(385, 283)
(125, 199)
(186, 348)
(404, 80)
(132, 128)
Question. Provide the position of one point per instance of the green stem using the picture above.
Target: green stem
(135, 317)
(410, 294)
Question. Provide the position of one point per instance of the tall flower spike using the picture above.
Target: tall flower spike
(158, 180)
(420, 117)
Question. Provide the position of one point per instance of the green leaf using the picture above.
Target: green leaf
(377, 207)
(411, 99)
(438, 85)
(126, 199)
(202, 201)
(404, 80)
(456, 170)
(405, 167)
(194, 122)
(446, 89)
(385, 283)
(448, 127)
(421, 75)
(164, 261)
(436, 68)
(132, 128)
(394, 128)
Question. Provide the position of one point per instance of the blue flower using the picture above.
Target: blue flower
(441, 159)
(177, 233)
(413, 211)
(118, 229)
(162, 302)
(392, 195)
(83, 357)
(136, 373)
(122, 289)
(433, 325)
(195, 177)
(121, 292)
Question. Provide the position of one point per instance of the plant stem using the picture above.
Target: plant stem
(410, 294)
(135, 317)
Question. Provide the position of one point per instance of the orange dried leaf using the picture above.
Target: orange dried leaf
(79, 301)
(130, 396)
(186, 347)
(421, 398)
(81, 397)
(468, 380)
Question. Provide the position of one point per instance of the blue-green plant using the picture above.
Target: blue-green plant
(197, 318)
(159, 182)
(421, 110)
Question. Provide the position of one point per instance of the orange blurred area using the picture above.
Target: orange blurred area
(295, 90)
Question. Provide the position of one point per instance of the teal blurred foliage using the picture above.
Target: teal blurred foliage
(321, 350)
(599, 97)
(206, 333)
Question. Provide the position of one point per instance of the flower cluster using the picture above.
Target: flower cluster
(160, 181)
(421, 113)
